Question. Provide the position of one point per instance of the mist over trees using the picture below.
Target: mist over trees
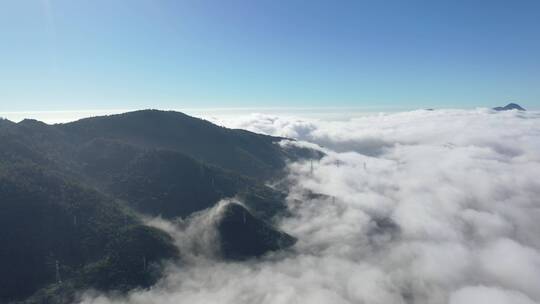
(414, 207)
(72, 197)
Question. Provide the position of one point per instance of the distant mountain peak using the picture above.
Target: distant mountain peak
(510, 106)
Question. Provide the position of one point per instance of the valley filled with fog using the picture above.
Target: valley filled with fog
(413, 207)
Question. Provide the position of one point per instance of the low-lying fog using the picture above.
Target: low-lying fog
(418, 207)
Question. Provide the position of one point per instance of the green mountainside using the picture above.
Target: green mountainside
(47, 220)
(71, 196)
(241, 151)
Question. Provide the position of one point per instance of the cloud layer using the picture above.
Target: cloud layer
(414, 207)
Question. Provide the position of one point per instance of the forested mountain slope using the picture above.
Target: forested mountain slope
(72, 194)
(244, 152)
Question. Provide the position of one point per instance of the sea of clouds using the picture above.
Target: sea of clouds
(416, 207)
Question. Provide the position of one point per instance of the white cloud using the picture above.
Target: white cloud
(511, 264)
(482, 294)
(419, 207)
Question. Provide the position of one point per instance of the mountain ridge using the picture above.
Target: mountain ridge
(145, 162)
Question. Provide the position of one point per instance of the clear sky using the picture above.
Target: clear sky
(113, 54)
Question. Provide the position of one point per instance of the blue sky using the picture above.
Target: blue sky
(103, 54)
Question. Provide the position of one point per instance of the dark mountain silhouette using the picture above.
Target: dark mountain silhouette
(510, 106)
(72, 193)
(47, 219)
(243, 236)
(244, 152)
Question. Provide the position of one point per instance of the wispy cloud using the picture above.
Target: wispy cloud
(415, 207)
